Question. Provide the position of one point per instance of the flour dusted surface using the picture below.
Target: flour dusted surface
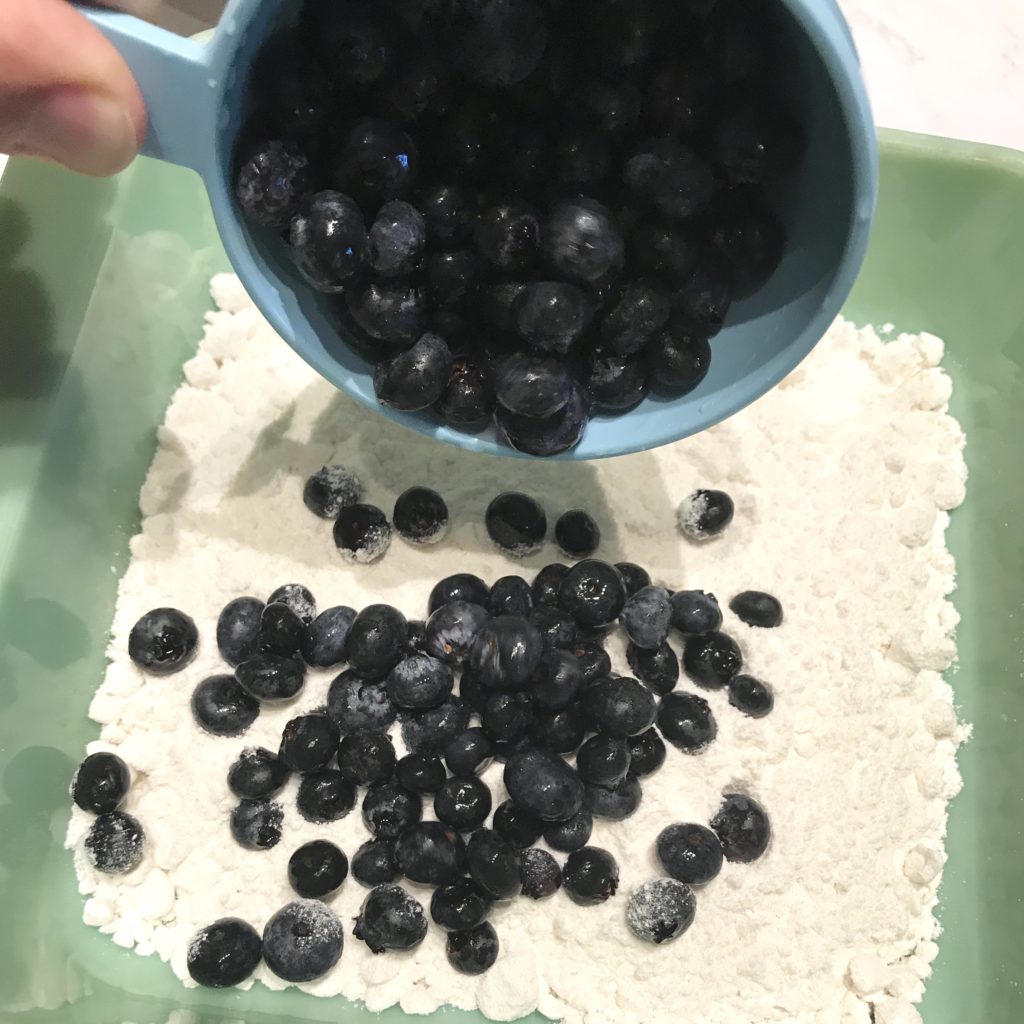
(842, 479)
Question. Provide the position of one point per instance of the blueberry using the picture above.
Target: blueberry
(224, 953)
(689, 853)
(539, 873)
(615, 383)
(100, 783)
(704, 514)
(549, 435)
(557, 680)
(390, 311)
(378, 162)
(463, 586)
(686, 722)
(646, 753)
(614, 802)
(517, 826)
(704, 298)
(221, 707)
(757, 141)
(429, 731)
(559, 731)
(390, 919)
(302, 941)
(642, 307)
(238, 629)
(459, 904)
(620, 706)
(646, 616)
(388, 810)
(694, 612)
(516, 523)
(431, 853)
(256, 824)
(742, 826)
(657, 668)
(163, 641)
(530, 385)
(271, 678)
(557, 630)
(506, 236)
(671, 176)
(603, 760)
(463, 803)
(376, 640)
(543, 784)
(551, 315)
(592, 659)
(330, 489)
(366, 758)
(256, 774)
(327, 240)
(447, 209)
(469, 753)
(756, 608)
(750, 696)
(362, 534)
(661, 910)
(451, 629)
(590, 876)
(510, 595)
(374, 863)
(679, 358)
(325, 796)
(317, 869)
(582, 241)
(580, 158)
(324, 642)
(272, 182)
(281, 631)
(592, 592)
(467, 401)
(114, 843)
(354, 43)
(505, 653)
(571, 834)
(297, 598)
(749, 236)
(493, 863)
(420, 681)
(415, 379)
(577, 534)
(679, 97)
(634, 577)
(354, 704)
(451, 275)
(420, 773)
(712, 659)
(421, 515)
(669, 250)
(501, 41)
(547, 583)
(397, 238)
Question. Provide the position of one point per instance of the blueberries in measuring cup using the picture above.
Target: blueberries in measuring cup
(598, 214)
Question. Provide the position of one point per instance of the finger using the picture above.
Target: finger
(65, 92)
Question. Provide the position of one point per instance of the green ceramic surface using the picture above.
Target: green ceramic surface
(103, 286)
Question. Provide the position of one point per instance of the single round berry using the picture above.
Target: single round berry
(388, 810)
(705, 514)
(397, 239)
(577, 534)
(467, 401)
(281, 631)
(539, 873)
(257, 774)
(592, 659)
(430, 731)
(374, 863)
(330, 489)
(473, 950)
(376, 640)
(469, 753)
(571, 834)
(756, 608)
(366, 758)
(420, 516)
(646, 617)
(615, 383)
(463, 586)
(510, 595)
(592, 592)
(100, 783)
(356, 44)
(238, 628)
(549, 435)
(679, 358)
(271, 678)
(327, 240)
(506, 236)
(672, 177)
(420, 681)
(414, 379)
(256, 824)
(323, 644)
(163, 641)
(557, 680)
(661, 910)
(560, 731)
(646, 753)
(317, 869)
(459, 904)
(355, 704)
(362, 533)
(302, 941)
(493, 863)
(620, 706)
(749, 236)
(390, 919)
(657, 669)
(308, 742)
(742, 826)
(547, 583)
(750, 696)
(615, 802)
(690, 853)
(543, 784)
(603, 760)
(686, 722)
(221, 707)
(634, 577)
(463, 803)
(695, 613)
(582, 241)
(516, 523)
(712, 659)
(115, 843)
(641, 308)
(702, 303)
(447, 210)
(532, 385)
(378, 162)
(451, 630)
(590, 876)
(558, 631)
(506, 652)
(224, 953)
(451, 275)
(420, 773)
(551, 315)
(325, 796)
(518, 827)
(431, 852)
(393, 312)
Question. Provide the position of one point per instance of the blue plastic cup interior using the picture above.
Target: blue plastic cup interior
(196, 96)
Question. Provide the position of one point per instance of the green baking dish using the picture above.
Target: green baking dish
(102, 293)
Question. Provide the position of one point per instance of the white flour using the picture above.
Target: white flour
(841, 477)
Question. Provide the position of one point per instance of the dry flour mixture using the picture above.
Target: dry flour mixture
(842, 478)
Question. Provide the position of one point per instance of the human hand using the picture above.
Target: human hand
(65, 93)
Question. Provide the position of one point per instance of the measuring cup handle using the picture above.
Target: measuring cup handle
(174, 77)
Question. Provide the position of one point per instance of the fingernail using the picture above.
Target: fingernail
(84, 131)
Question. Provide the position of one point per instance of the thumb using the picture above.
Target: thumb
(65, 93)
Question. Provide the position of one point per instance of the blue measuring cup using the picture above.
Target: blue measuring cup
(196, 98)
